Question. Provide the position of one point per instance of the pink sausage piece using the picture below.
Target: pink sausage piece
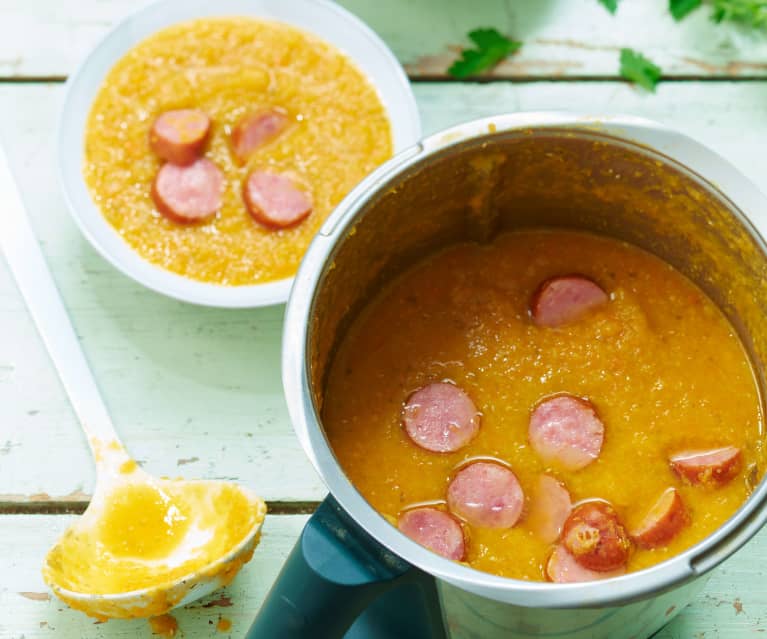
(709, 467)
(440, 417)
(666, 517)
(562, 568)
(256, 129)
(561, 300)
(435, 530)
(566, 431)
(274, 201)
(594, 535)
(188, 194)
(179, 136)
(486, 495)
(550, 506)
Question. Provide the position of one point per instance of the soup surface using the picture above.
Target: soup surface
(229, 67)
(658, 361)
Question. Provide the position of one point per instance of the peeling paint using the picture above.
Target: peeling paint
(222, 602)
(436, 65)
(732, 68)
(6, 448)
(7, 373)
(36, 596)
(76, 496)
(576, 44)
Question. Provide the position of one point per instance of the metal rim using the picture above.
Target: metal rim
(686, 566)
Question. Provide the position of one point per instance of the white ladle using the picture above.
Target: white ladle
(114, 467)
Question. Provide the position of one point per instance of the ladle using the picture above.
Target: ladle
(195, 512)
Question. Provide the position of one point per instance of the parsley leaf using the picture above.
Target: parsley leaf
(750, 12)
(680, 8)
(491, 48)
(638, 69)
(610, 5)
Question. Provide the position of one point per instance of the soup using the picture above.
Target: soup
(638, 387)
(335, 131)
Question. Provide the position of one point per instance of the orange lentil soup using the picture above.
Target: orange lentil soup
(229, 67)
(659, 362)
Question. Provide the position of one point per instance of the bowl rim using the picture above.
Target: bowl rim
(746, 201)
(83, 84)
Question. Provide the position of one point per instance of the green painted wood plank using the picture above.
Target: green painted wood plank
(733, 605)
(562, 37)
(193, 390)
(29, 611)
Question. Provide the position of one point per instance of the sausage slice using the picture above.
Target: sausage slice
(663, 521)
(440, 417)
(595, 537)
(562, 568)
(550, 505)
(566, 431)
(179, 136)
(711, 467)
(486, 495)
(188, 194)
(434, 529)
(561, 300)
(274, 201)
(256, 129)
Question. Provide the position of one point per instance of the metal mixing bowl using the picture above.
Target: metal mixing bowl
(622, 177)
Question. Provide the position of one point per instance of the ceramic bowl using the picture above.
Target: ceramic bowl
(320, 17)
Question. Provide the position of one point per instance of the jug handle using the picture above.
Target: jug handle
(333, 575)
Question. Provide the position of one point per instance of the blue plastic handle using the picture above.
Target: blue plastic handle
(339, 582)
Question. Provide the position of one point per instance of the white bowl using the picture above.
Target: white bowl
(321, 17)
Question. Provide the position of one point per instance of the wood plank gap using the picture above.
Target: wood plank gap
(33, 79)
(446, 79)
(78, 507)
(572, 79)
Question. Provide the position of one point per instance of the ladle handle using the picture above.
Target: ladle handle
(34, 280)
(339, 582)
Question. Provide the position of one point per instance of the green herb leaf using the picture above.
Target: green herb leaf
(752, 13)
(680, 8)
(638, 69)
(492, 47)
(610, 5)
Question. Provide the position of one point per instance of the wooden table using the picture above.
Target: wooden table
(194, 391)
